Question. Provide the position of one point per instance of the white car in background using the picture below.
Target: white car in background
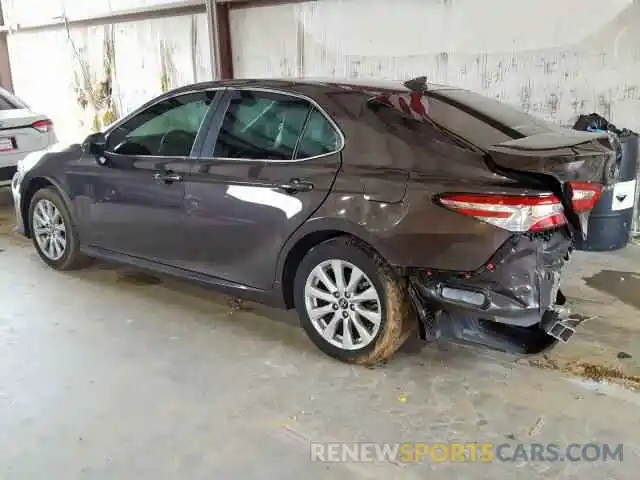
(22, 131)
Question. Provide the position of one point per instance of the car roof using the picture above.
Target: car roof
(296, 83)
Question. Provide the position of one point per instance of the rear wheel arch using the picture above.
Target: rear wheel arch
(306, 239)
(395, 317)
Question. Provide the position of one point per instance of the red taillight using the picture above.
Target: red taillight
(585, 195)
(516, 213)
(43, 126)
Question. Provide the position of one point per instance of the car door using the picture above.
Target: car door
(269, 163)
(137, 190)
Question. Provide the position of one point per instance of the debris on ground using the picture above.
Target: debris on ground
(590, 371)
(583, 318)
(545, 362)
(623, 355)
(236, 305)
(537, 427)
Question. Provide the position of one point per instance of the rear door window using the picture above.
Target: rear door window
(261, 126)
(319, 138)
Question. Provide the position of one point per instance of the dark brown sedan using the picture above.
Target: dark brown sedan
(374, 210)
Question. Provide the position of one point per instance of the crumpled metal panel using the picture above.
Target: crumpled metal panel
(519, 283)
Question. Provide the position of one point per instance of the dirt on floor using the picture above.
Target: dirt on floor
(602, 287)
(590, 371)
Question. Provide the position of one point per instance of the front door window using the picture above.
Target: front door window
(167, 128)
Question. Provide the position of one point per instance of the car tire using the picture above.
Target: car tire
(323, 314)
(48, 211)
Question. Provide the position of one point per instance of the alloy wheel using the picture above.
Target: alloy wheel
(343, 304)
(49, 229)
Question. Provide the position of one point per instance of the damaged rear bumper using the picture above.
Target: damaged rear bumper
(512, 303)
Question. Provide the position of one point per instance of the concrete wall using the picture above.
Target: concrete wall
(148, 56)
(553, 59)
(552, 63)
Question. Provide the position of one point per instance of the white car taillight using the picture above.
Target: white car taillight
(524, 213)
(585, 195)
(516, 213)
(43, 126)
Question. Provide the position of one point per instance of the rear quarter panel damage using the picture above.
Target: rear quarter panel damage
(520, 281)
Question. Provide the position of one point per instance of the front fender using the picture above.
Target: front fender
(34, 182)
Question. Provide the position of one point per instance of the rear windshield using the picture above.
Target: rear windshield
(478, 120)
(503, 113)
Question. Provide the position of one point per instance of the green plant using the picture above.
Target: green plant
(95, 90)
(167, 67)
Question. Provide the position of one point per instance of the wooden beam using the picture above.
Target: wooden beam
(224, 45)
(220, 36)
(222, 27)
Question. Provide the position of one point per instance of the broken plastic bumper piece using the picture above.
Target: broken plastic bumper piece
(513, 303)
(557, 327)
(560, 325)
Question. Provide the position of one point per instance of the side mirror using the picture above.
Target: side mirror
(95, 143)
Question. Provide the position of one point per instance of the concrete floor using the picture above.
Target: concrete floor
(108, 376)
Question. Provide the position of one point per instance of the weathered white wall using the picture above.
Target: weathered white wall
(44, 64)
(553, 63)
(554, 59)
(41, 11)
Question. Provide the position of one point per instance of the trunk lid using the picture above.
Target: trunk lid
(553, 159)
(18, 136)
(18, 118)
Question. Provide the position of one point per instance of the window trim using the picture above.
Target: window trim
(212, 109)
(312, 102)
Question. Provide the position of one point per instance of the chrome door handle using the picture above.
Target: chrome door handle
(167, 177)
(296, 185)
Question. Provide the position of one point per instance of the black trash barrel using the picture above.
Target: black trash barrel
(611, 219)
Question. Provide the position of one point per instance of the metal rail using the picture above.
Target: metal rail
(181, 7)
